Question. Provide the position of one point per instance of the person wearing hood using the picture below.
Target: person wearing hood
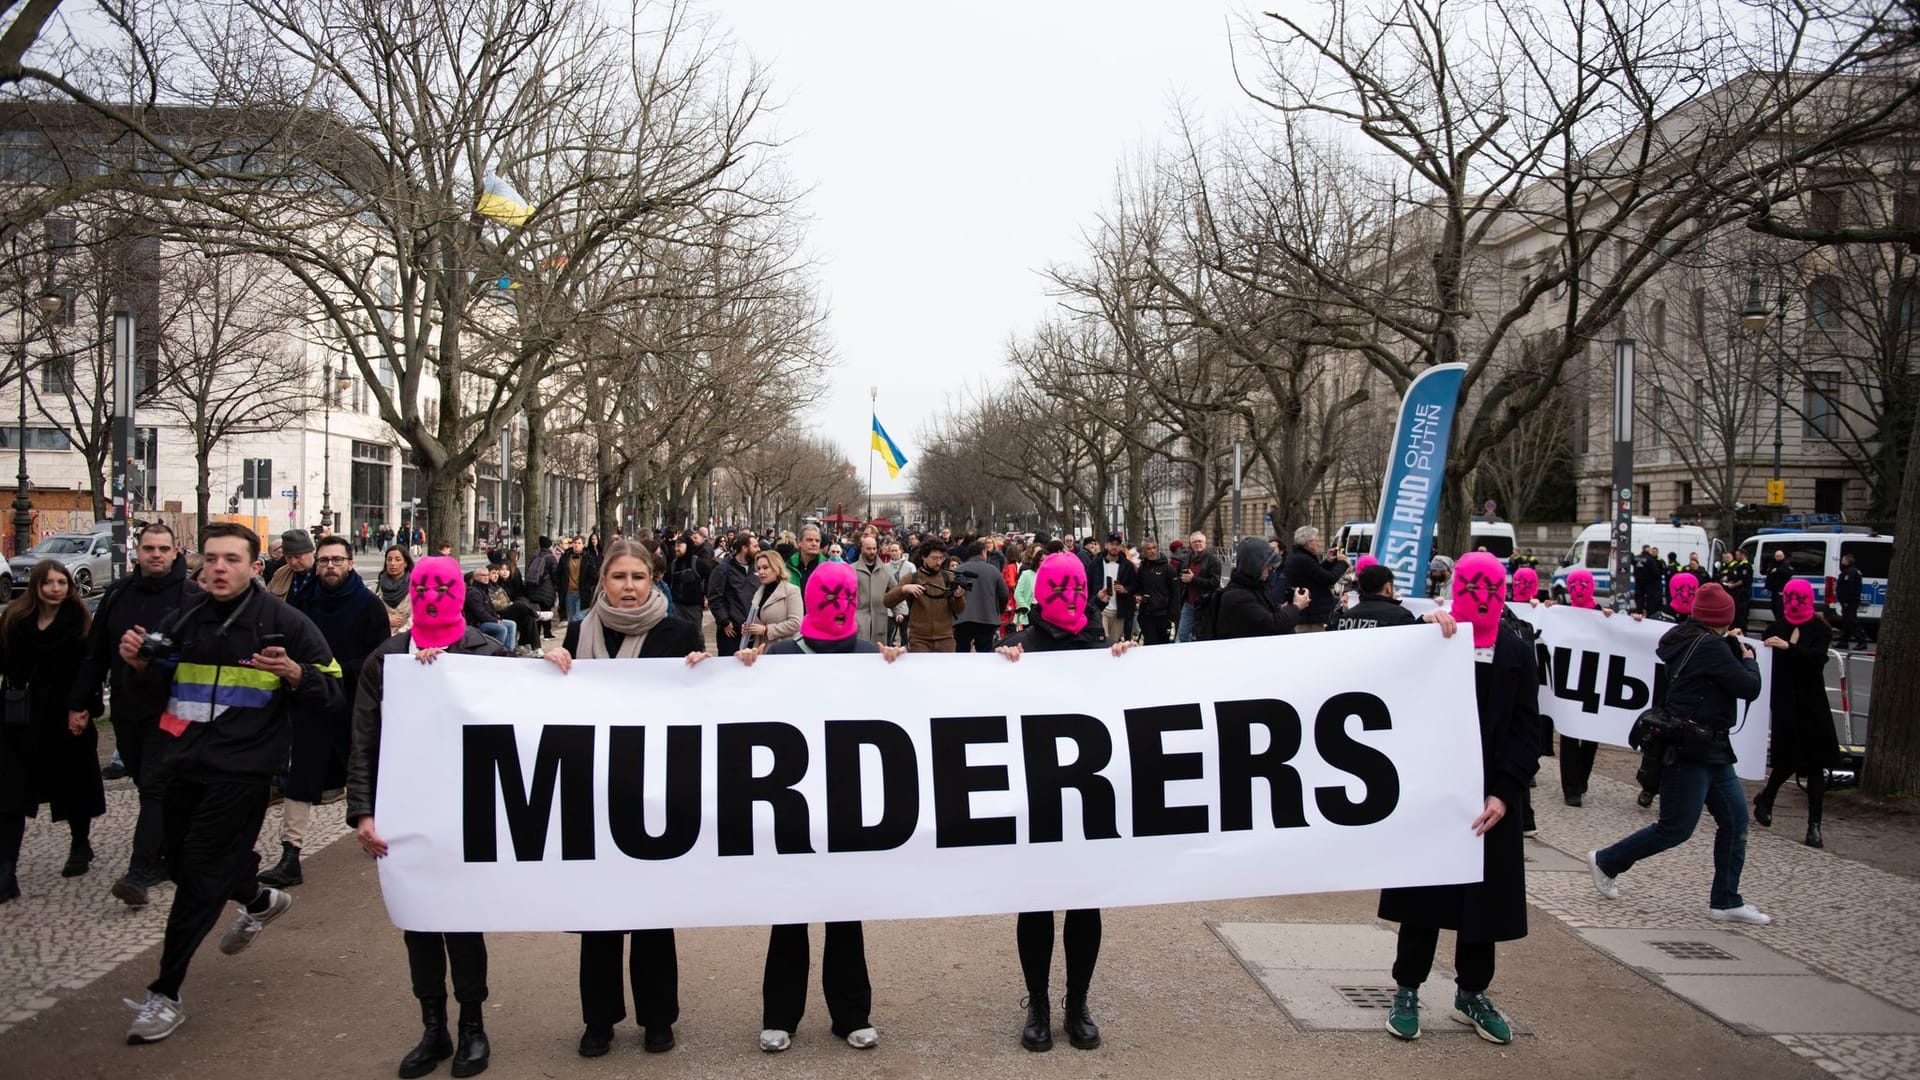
(150, 596)
(629, 619)
(1156, 597)
(354, 623)
(832, 626)
(1493, 909)
(438, 593)
(1310, 568)
(1710, 671)
(1060, 600)
(1803, 736)
(396, 570)
(1245, 611)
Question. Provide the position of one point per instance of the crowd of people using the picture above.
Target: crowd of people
(258, 676)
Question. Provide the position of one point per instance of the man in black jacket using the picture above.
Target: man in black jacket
(730, 593)
(1156, 594)
(354, 623)
(1309, 568)
(149, 597)
(1779, 572)
(1649, 580)
(240, 659)
(1378, 605)
(575, 575)
(1201, 577)
(1114, 587)
(1244, 609)
(1846, 593)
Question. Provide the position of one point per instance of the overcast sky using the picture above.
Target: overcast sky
(954, 151)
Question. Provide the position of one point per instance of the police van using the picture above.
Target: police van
(1355, 538)
(1813, 551)
(1593, 550)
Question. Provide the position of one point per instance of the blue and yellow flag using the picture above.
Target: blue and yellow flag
(499, 201)
(889, 453)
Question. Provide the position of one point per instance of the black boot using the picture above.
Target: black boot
(286, 873)
(1081, 1030)
(1038, 1035)
(79, 859)
(471, 1058)
(1763, 808)
(9, 882)
(435, 1045)
(1814, 839)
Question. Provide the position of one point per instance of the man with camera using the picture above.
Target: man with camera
(232, 663)
(933, 598)
(148, 597)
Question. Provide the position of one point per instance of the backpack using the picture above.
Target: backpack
(1206, 616)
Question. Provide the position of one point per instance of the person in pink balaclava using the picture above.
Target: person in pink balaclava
(1803, 738)
(831, 625)
(1494, 909)
(1060, 625)
(437, 590)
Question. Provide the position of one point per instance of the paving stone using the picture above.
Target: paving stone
(1793, 1004)
(1542, 859)
(1740, 955)
(1276, 946)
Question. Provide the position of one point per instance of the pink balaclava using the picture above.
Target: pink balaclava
(1796, 601)
(1060, 588)
(1580, 588)
(439, 593)
(1478, 581)
(1526, 585)
(1681, 589)
(831, 596)
(1363, 562)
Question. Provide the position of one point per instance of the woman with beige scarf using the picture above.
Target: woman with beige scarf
(628, 620)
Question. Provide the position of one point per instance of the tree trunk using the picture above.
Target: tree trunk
(533, 474)
(202, 497)
(443, 510)
(609, 489)
(1893, 737)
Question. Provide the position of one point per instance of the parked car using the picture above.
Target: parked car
(1593, 549)
(88, 556)
(1814, 554)
(1355, 538)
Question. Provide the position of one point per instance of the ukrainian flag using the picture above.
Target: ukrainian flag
(889, 453)
(499, 201)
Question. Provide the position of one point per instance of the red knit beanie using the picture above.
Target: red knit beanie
(1712, 605)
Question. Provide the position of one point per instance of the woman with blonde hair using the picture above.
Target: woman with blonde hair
(775, 612)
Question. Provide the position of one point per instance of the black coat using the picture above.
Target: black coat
(674, 636)
(1506, 688)
(1373, 611)
(1305, 571)
(730, 591)
(1709, 685)
(353, 620)
(1157, 589)
(687, 579)
(39, 761)
(589, 574)
(1803, 736)
(1128, 578)
(135, 600)
(1246, 611)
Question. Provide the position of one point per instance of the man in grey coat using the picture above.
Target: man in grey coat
(872, 579)
(987, 595)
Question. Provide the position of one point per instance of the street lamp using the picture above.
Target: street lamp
(873, 397)
(1754, 316)
(331, 388)
(46, 304)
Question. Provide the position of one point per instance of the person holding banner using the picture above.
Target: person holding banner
(1577, 755)
(1494, 909)
(1803, 738)
(1060, 600)
(830, 627)
(437, 595)
(629, 620)
(1710, 671)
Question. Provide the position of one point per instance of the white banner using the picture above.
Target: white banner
(1597, 673)
(641, 793)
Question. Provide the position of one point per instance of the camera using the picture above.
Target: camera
(155, 645)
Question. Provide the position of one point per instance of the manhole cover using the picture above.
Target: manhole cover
(1693, 950)
(1367, 997)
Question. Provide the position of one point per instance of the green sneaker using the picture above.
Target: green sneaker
(1403, 1021)
(1478, 1010)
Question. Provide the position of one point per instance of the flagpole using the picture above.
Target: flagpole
(873, 424)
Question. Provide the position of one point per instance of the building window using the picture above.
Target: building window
(1686, 493)
(372, 451)
(1699, 409)
(1659, 320)
(1823, 302)
(56, 375)
(1819, 406)
(1824, 209)
(1828, 495)
(38, 438)
(1646, 499)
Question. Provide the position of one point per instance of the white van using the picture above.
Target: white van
(1815, 554)
(1593, 549)
(1355, 538)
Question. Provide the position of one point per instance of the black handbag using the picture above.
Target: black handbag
(13, 705)
(1659, 728)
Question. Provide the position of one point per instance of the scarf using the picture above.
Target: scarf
(632, 623)
(393, 591)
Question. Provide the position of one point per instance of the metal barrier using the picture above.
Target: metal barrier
(1849, 679)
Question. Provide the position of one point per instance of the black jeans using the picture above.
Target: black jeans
(1850, 630)
(134, 737)
(724, 645)
(429, 956)
(1413, 959)
(843, 978)
(1576, 765)
(974, 637)
(1034, 935)
(654, 971)
(1156, 629)
(210, 829)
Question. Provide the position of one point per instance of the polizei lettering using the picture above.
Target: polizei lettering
(1184, 769)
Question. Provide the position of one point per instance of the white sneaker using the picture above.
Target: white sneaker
(864, 1039)
(1606, 886)
(155, 1018)
(773, 1040)
(248, 925)
(1745, 913)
